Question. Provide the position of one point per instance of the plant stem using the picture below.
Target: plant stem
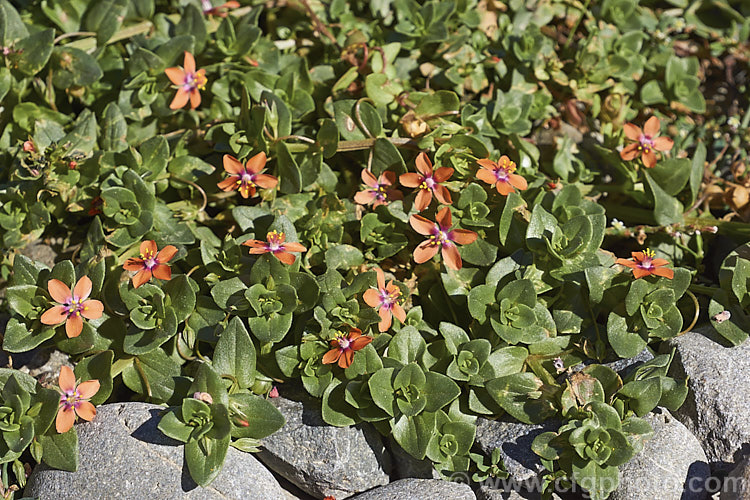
(703, 289)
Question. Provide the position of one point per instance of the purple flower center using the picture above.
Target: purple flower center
(501, 174)
(70, 399)
(440, 237)
(428, 182)
(646, 143)
(646, 263)
(387, 300)
(74, 306)
(344, 343)
(380, 192)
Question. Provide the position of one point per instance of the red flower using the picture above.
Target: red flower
(152, 263)
(276, 245)
(74, 306)
(428, 182)
(384, 298)
(28, 146)
(379, 192)
(74, 400)
(646, 141)
(246, 179)
(501, 174)
(344, 347)
(441, 237)
(644, 264)
(221, 10)
(188, 81)
(96, 206)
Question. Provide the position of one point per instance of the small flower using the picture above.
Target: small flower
(644, 264)
(276, 244)
(646, 142)
(74, 400)
(203, 396)
(441, 237)
(247, 178)
(28, 146)
(721, 317)
(152, 263)
(189, 83)
(618, 225)
(221, 10)
(385, 299)
(96, 206)
(501, 174)
(344, 347)
(559, 364)
(428, 182)
(274, 392)
(380, 190)
(74, 306)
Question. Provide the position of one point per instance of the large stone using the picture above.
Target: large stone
(419, 489)
(490, 493)
(737, 483)
(715, 410)
(514, 440)
(320, 459)
(124, 455)
(672, 465)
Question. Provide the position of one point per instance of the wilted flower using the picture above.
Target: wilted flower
(385, 299)
(501, 175)
(74, 306)
(644, 264)
(74, 400)
(428, 182)
(152, 263)
(189, 83)
(247, 178)
(277, 245)
(646, 142)
(441, 237)
(344, 346)
(381, 190)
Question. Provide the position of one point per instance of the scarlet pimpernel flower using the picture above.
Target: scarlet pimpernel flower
(220, 10)
(344, 346)
(277, 245)
(379, 191)
(644, 264)
(189, 83)
(441, 237)
(429, 182)
(501, 175)
(73, 306)
(646, 142)
(385, 298)
(246, 179)
(74, 400)
(152, 263)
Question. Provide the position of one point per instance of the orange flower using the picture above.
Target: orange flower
(74, 400)
(246, 179)
(501, 174)
(646, 141)
(221, 10)
(644, 264)
(384, 298)
(441, 237)
(428, 182)
(74, 306)
(152, 263)
(188, 81)
(380, 192)
(344, 347)
(276, 245)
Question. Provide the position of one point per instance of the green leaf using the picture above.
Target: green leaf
(343, 257)
(207, 380)
(261, 415)
(439, 391)
(413, 434)
(290, 177)
(104, 17)
(114, 129)
(625, 343)
(18, 338)
(235, 354)
(205, 457)
(35, 51)
(97, 367)
(160, 372)
(335, 410)
(328, 137)
(667, 210)
(72, 67)
(519, 395)
(11, 26)
(407, 346)
(60, 450)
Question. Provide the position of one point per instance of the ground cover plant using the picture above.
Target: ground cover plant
(422, 212)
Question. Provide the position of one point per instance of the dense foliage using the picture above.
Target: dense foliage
(422, 213)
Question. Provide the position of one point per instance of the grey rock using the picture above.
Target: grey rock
(123, 455)
(514, 439)
(737, 483)
(41, 252)
(490, 493)
(622, 366)
(406, 466)
(419, 489)
(672, 465)
(320, 459)
(715, 410)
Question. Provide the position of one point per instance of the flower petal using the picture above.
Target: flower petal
(451, 257)
(630, 152)
(518, 182)
(425, 252)
(141, 277)
(626, 263)
(82, 289)
(639, 272)
(652, 126)
(86, 411)
(386, 319)
(486, 175)
(387, 178)
(293, 246)
(189, 63)
(233, 165)
(67, 379)
(411, 180)
(133, 265)
(372, 297)
(632, 132)
(442, 174)
(181, 98)
(59, 291)
(166, 254)
(285, 257)
(444, 218)
(73, 326)
(64, 420)
(663, 143)
(331, 356)
(659, 262)
(399, 312)
(422, 225)
(649, 159)
(148, 247)
(504, 187)
(229, 184)
(463, 236)
(88, 389)
(360, 342)
(663, 271)
(256, 163)
(266, 181)
(92, 309)
(195, 98)
(443, 195)
(255, 243)
(380, 277)
(365, 197)
(162, 272)
(54, 315)
(487, 164)
(345, 360)
(423, 199)
(424, 165)
(175, 75)
(368, 178)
